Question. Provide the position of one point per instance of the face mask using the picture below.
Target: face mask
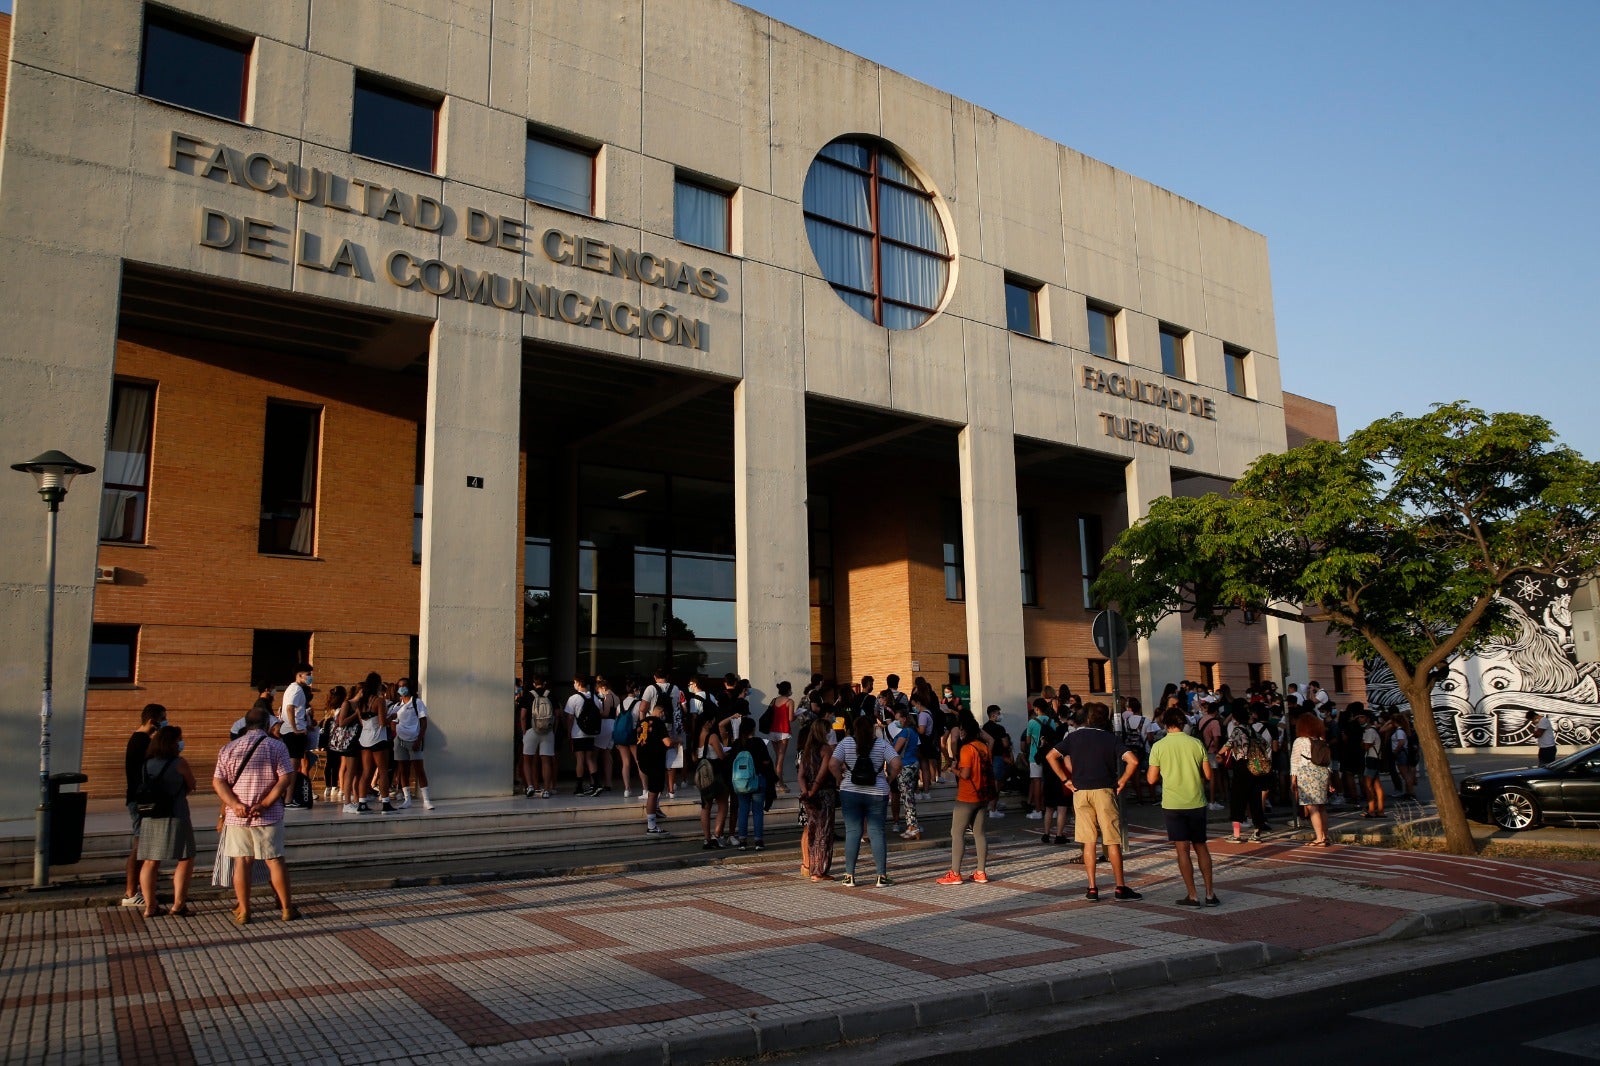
(180, 745)
(163, 724)
(308, 679)
(404, 691)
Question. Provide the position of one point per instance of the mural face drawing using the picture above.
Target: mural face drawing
(1484, 700)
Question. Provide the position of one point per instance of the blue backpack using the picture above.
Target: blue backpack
(744, 773)
(623, 730)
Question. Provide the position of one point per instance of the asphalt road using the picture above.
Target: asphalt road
(1529, 1005)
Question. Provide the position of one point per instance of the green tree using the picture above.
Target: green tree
(1398, 539)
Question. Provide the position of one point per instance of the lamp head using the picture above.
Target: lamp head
(53, 471)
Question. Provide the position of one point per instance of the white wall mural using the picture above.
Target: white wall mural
(1485, 699)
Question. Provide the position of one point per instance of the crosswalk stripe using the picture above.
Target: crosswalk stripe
(1584, 1042)
(1486, 996)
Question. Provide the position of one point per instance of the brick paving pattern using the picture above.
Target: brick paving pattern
(517, 970)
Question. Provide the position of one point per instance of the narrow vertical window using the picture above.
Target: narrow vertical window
(194, 67)
(1235, 362)
(560, 175)
(1034, 665)
(956, 665)
(1090, 552)
(1025, 553)
(1173, 362)
(702, 215)
(1098, 675)
(125, 498)
(1258, 674)
(1211, 675)
(1022, 306)
(1102, 330)
(394, 126)
(289, 479)
(1339, 678)
(955, 567)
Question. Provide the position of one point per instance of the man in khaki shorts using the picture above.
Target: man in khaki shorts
(1095, 767)
(252, 775)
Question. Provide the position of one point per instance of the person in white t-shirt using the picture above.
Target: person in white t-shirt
(294, 719)
(409, 716)
(1544, 734)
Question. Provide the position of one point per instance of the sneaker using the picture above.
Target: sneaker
(885, 881)
(672, 795)
(1255, 836)
(898, 827)
(405, 801)
(656, 831)
(135, 900)
(1213, 901)
(351, 808)
(980, 878)
(545, 794)
(387, 807)
(1047, 839)
(997, 814)
(627, 795)
(1035, 816)
(1062, 840)
(427, 803)
(1213, 806)
(736, 842)
(726, 842)
(760, 846)
(1187, 902)
(528, 792)
(951, 878)
(601, 788)
(1125, 893)
(1236, 839)
(294, 806)
(847, 881)
(361, 806)
(743, 847)
(710, 845)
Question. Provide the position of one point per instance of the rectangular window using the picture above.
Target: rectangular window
(394, 126)
(1103, 330)
(1338, 678)
(560, 175)
(1025, 552)
(1036, 675)
(113, 654)
(1258, 674)
(702, 215)
(289, 479)
(956, 666)
(274, 653)
(125, 497)
(1099, 676)
(1090, 551)
(1234, 363)
(416, 502)
(955, 567)
(1022, 306)
(192, 67)
(1210, 676)
(1172, 356)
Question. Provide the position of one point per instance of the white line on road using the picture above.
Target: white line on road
(1486, 996)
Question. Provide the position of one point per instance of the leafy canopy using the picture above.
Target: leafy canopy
(1398, 538)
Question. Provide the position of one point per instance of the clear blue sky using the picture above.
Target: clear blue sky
(1425, 172)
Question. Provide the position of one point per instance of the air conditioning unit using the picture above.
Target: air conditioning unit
(1586, 621)
(105, 575)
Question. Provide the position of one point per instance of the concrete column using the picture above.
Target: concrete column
(773, 570)
(59, 321)
(1286, 644)
(470, 601)
(1160, 654)
(987, 455)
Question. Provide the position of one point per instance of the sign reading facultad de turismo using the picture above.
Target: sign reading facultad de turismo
(1155, 394)
(342, 194)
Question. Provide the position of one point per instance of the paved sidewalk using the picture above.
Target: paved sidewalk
(693, 965)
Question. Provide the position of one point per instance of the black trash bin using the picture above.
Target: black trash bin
(67, 810)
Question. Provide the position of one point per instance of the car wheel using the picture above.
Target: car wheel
(1514, 809)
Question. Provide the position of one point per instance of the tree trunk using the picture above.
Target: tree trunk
(1452, 816)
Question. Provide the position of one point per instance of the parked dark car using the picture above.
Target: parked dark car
(1566, 792)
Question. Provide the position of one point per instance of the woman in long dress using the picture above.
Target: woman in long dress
(819, 795)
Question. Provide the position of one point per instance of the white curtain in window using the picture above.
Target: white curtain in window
(839, 194)
(845, 257)
(120, 516)
(300, 542)
(560, 176)
(701, 216)
(912, 277)
(907, 217)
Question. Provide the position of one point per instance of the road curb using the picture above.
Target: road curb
(757, 1038)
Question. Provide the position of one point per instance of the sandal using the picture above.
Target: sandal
(182, 910)
(240, 917)
(155, 912)
(291, 914)
(1093, 895)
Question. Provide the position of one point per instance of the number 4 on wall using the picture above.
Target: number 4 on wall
(474, 482)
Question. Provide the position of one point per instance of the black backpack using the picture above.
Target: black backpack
(1049, 737)
(589, 717)
(765, 724)
(152, 798)
(863, 774)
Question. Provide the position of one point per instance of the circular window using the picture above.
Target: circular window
(876, 233)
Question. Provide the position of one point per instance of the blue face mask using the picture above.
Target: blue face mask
(180, 745)
(404, 691)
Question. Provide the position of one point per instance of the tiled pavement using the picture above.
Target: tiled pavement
(585, 967)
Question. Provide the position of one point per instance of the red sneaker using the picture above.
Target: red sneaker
(980, 878)
(951, 878)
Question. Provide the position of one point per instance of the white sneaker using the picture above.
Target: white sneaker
(427, 801)
(627, 795)
(135, 900)
(997, 814)
(1213, 806)
(351, 808)
(672, 795)
(1034, 816)
(405, 801)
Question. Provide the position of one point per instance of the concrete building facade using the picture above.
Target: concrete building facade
(579, 337)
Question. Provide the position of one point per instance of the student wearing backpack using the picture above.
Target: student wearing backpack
(583, 721)
(752, 777)
(605, 741)
(906, 742)
(1052, 791)
(1309, 762)
(651, 747)
(1249, 749)
(975, 790)
(623, 732)
(863, 763)
(711, 777)
(538, 739)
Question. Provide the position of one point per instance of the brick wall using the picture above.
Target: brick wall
(198, 587)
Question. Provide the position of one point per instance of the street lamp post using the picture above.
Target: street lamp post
(53, 471)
